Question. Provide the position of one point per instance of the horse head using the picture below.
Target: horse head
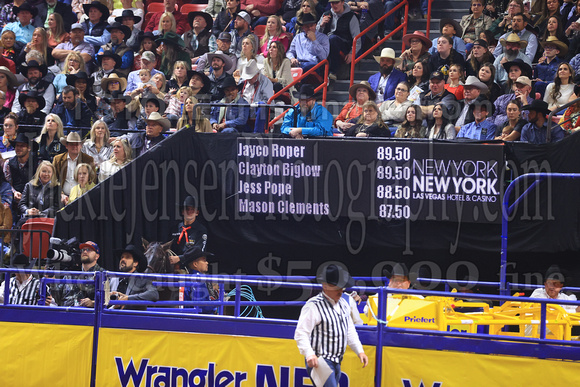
(157, 255)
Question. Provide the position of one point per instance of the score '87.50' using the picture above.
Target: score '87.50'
(394, 211)
(398, 153)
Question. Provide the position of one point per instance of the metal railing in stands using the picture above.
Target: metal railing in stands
(34, 243)
(428, 27)
(323, 86)
(553, 113)
(356, 59)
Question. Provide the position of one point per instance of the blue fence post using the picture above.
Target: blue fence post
(221, 299)
(543, 321)
(6, 288)
(42, 300)
(98, 308)
(381, 316)
(238, 298)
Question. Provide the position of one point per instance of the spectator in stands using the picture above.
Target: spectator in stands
(56, 32)
(166, 24)
(41, 195)
(8, 85)
(171, 50)
(475, 23)
(75, 44)
(481, 128)
(490, 39)
(455, 81)
(230, 119)
(85, 177)
(18, 170)
(248, 54)
(199, 122)
(120, 157)
(309, 47)
(109, 85)
(453, 31)
(180, 19)
(519, 22)
(289, 10)
(341, 26)
(259, 10)
(547, 68)
(83, 294)
(9, 126)
(436, 93)
(123, 11)
(386, 80)
(147, 106)
(199, 40)
(224, 42)
(412, 127)
(120, 117)
(559, 92)
(73, 64)
(109, 62)
(32, 113)
(95, 26)
(554, 29)
(179, 79)
(119, 34)
(191, 233)
(361, 93)
(224, 21)
(309, 119)
(398, 277)
(61, 24)
(474, 91)
(23, 28)
(569, 120)
(8, 48)
(487, 75)
(552, 9)
(3, 109)
(418, 51)
(369, 124)
(214, 7)
(256, 89)
(503, 24)
(521, 91)
(511, 129)
(132, 260)
(441, 129)
(220, 64)
(147, 62)
(142, 142)
(393, 111)
(445, 56)
(176, 103)
(513, 53)
(535, 131)
(146, 43)
(367, 12)
(151, 90)
(7, 15)
(65, 163)
(273, 33)
(84, 84)
(129, 20)
(38, 43)
(418, 80)
(277, 67)
(34, 72)
(241, 30)
(24, 288)
(479, 55)
(97, 146)
(72, 111)
(514, 70)
(308, 7)
(554, 281)
(195, 260)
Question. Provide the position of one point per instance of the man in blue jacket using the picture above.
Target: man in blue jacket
(309, 118)
(195, 260)
(230, 119)
(386, 80)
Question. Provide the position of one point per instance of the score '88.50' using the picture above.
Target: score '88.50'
(394, 211)
(397, 153)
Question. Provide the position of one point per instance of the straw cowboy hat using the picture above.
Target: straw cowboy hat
(417, 35)
(12, 82)
(364, 85)
(553, 41)
(156, 117)
(72, 137)
(514, 38)
(388, 53)
(114, 78)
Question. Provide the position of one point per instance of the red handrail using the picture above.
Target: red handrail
(428, 18)
(323, 86)
(356, 59)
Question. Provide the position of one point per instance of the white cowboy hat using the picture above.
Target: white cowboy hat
(156, 117)
(475, 82)
(250, 70)
(388, 53)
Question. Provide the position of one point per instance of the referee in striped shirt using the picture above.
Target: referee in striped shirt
(24, 288)
(325, 326)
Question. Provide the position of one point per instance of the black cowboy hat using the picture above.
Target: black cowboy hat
(306, 19)
(539, 106)
(137, 255)
(190, 201)
(21, 137)
(100, 6)
(24, 67)
(398, 269)
(192, 253)
(458, 30)
(555, 273)
(119, 26)
(25, 7)
(205, 15)
(143, 35)
(110, 54)
(230, 82)
(128, 13)
(21, 261)
(526, 68)
(160, 102)
(205, 79)
(72, 78)
(117, 94)
(32, 94)
(335, 275)
(307, 92)
(171, 38)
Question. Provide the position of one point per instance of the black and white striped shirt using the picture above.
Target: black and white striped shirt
(26, 293)
(325, 328)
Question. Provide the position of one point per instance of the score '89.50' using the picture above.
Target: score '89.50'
(397, 153)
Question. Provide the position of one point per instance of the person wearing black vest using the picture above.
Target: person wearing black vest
(34, 72)
(325, 326)
(96, 25)
(20, 169)
(119, 34)
(341, 26)
(120, 118)
(190, 232)
(199, 40)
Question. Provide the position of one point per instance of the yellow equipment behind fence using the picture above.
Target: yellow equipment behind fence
(462, 315)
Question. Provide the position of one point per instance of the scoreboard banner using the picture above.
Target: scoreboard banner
(391, 180)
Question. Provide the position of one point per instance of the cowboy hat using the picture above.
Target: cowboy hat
(24, 67)
(250, 70)
(137, 256)
(110, 54)
(156, 117)
(224, 57)
(555, 273)
(98, 5)
(114, 78)
(193, 253)
(333, 274)
(72, 137)
(204, 78)
(399, 269)
(307, 92)
(12, 82)
(538, 105)
(119, 26)
(171, 38)
(81, 75)
(306, 20)
(162, 105)
(475, 82)
(128, 13)
(21, 261)
(417, 35)
(22, 138)
(25, 7)
(190, 201)
(481, 101)
(32, 94)
(364, 85)
(230, 82)
(388, 52)
(144, 35)
(205, 15)
(553, 41)
(443, 22)
(514, 38)
(526, 68)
